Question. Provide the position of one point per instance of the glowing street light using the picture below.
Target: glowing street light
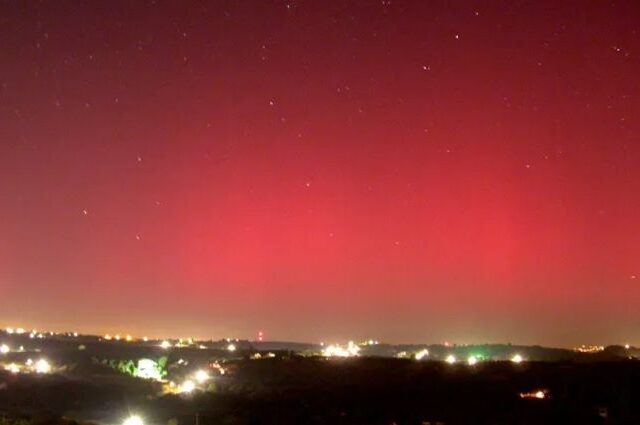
(187, 386)
(42, 366)
(517, 358)
(133, 420)
(451, 359)
(201, 376)
(4, 349)
(231, 347)
(472, 360)
(422, 354)
(165, 344)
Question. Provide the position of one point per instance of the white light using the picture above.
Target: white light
(472, 360)
(43, 366)
(19, 331)
(133, 420)
(451, 359)
(517, 358)
(231, 347)
(627, 346)
(539, 394)
(13, 368)
(422, 354)
(165, 344)
(148, 369)
(201, 376)
(187, 386)
(4, 349)
(335, 350)
(9, 330)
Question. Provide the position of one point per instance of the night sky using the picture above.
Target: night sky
(419, 171)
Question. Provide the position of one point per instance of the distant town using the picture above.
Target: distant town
(122, 379)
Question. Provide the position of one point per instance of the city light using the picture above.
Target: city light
(231, 347)
(133, 420)
(4, 349)
(13, 368)
(187, 386)
(589, 348)
(472, 360)
(149, 369)
(538, 394)
(517, 358)
(335, 350)
(201, 376)
(42, 366)
(422, 354)
(451, 359)
(165, 344)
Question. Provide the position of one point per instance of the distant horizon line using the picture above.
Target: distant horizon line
(126, 337)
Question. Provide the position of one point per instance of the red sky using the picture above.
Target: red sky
(405, 171)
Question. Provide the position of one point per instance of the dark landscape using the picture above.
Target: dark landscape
(291, 383)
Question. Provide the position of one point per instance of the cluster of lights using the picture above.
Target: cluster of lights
(589, 348)
(36, 334)
(451, 359)
(231, 347)
(335, 350)
(258, 356)
(12, 367)
(4, 349)
(472, 360)
(165, 344)
(40, 366)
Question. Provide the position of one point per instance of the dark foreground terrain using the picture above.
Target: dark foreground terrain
(307, 390)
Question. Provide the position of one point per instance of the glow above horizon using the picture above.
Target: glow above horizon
(322, 171)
